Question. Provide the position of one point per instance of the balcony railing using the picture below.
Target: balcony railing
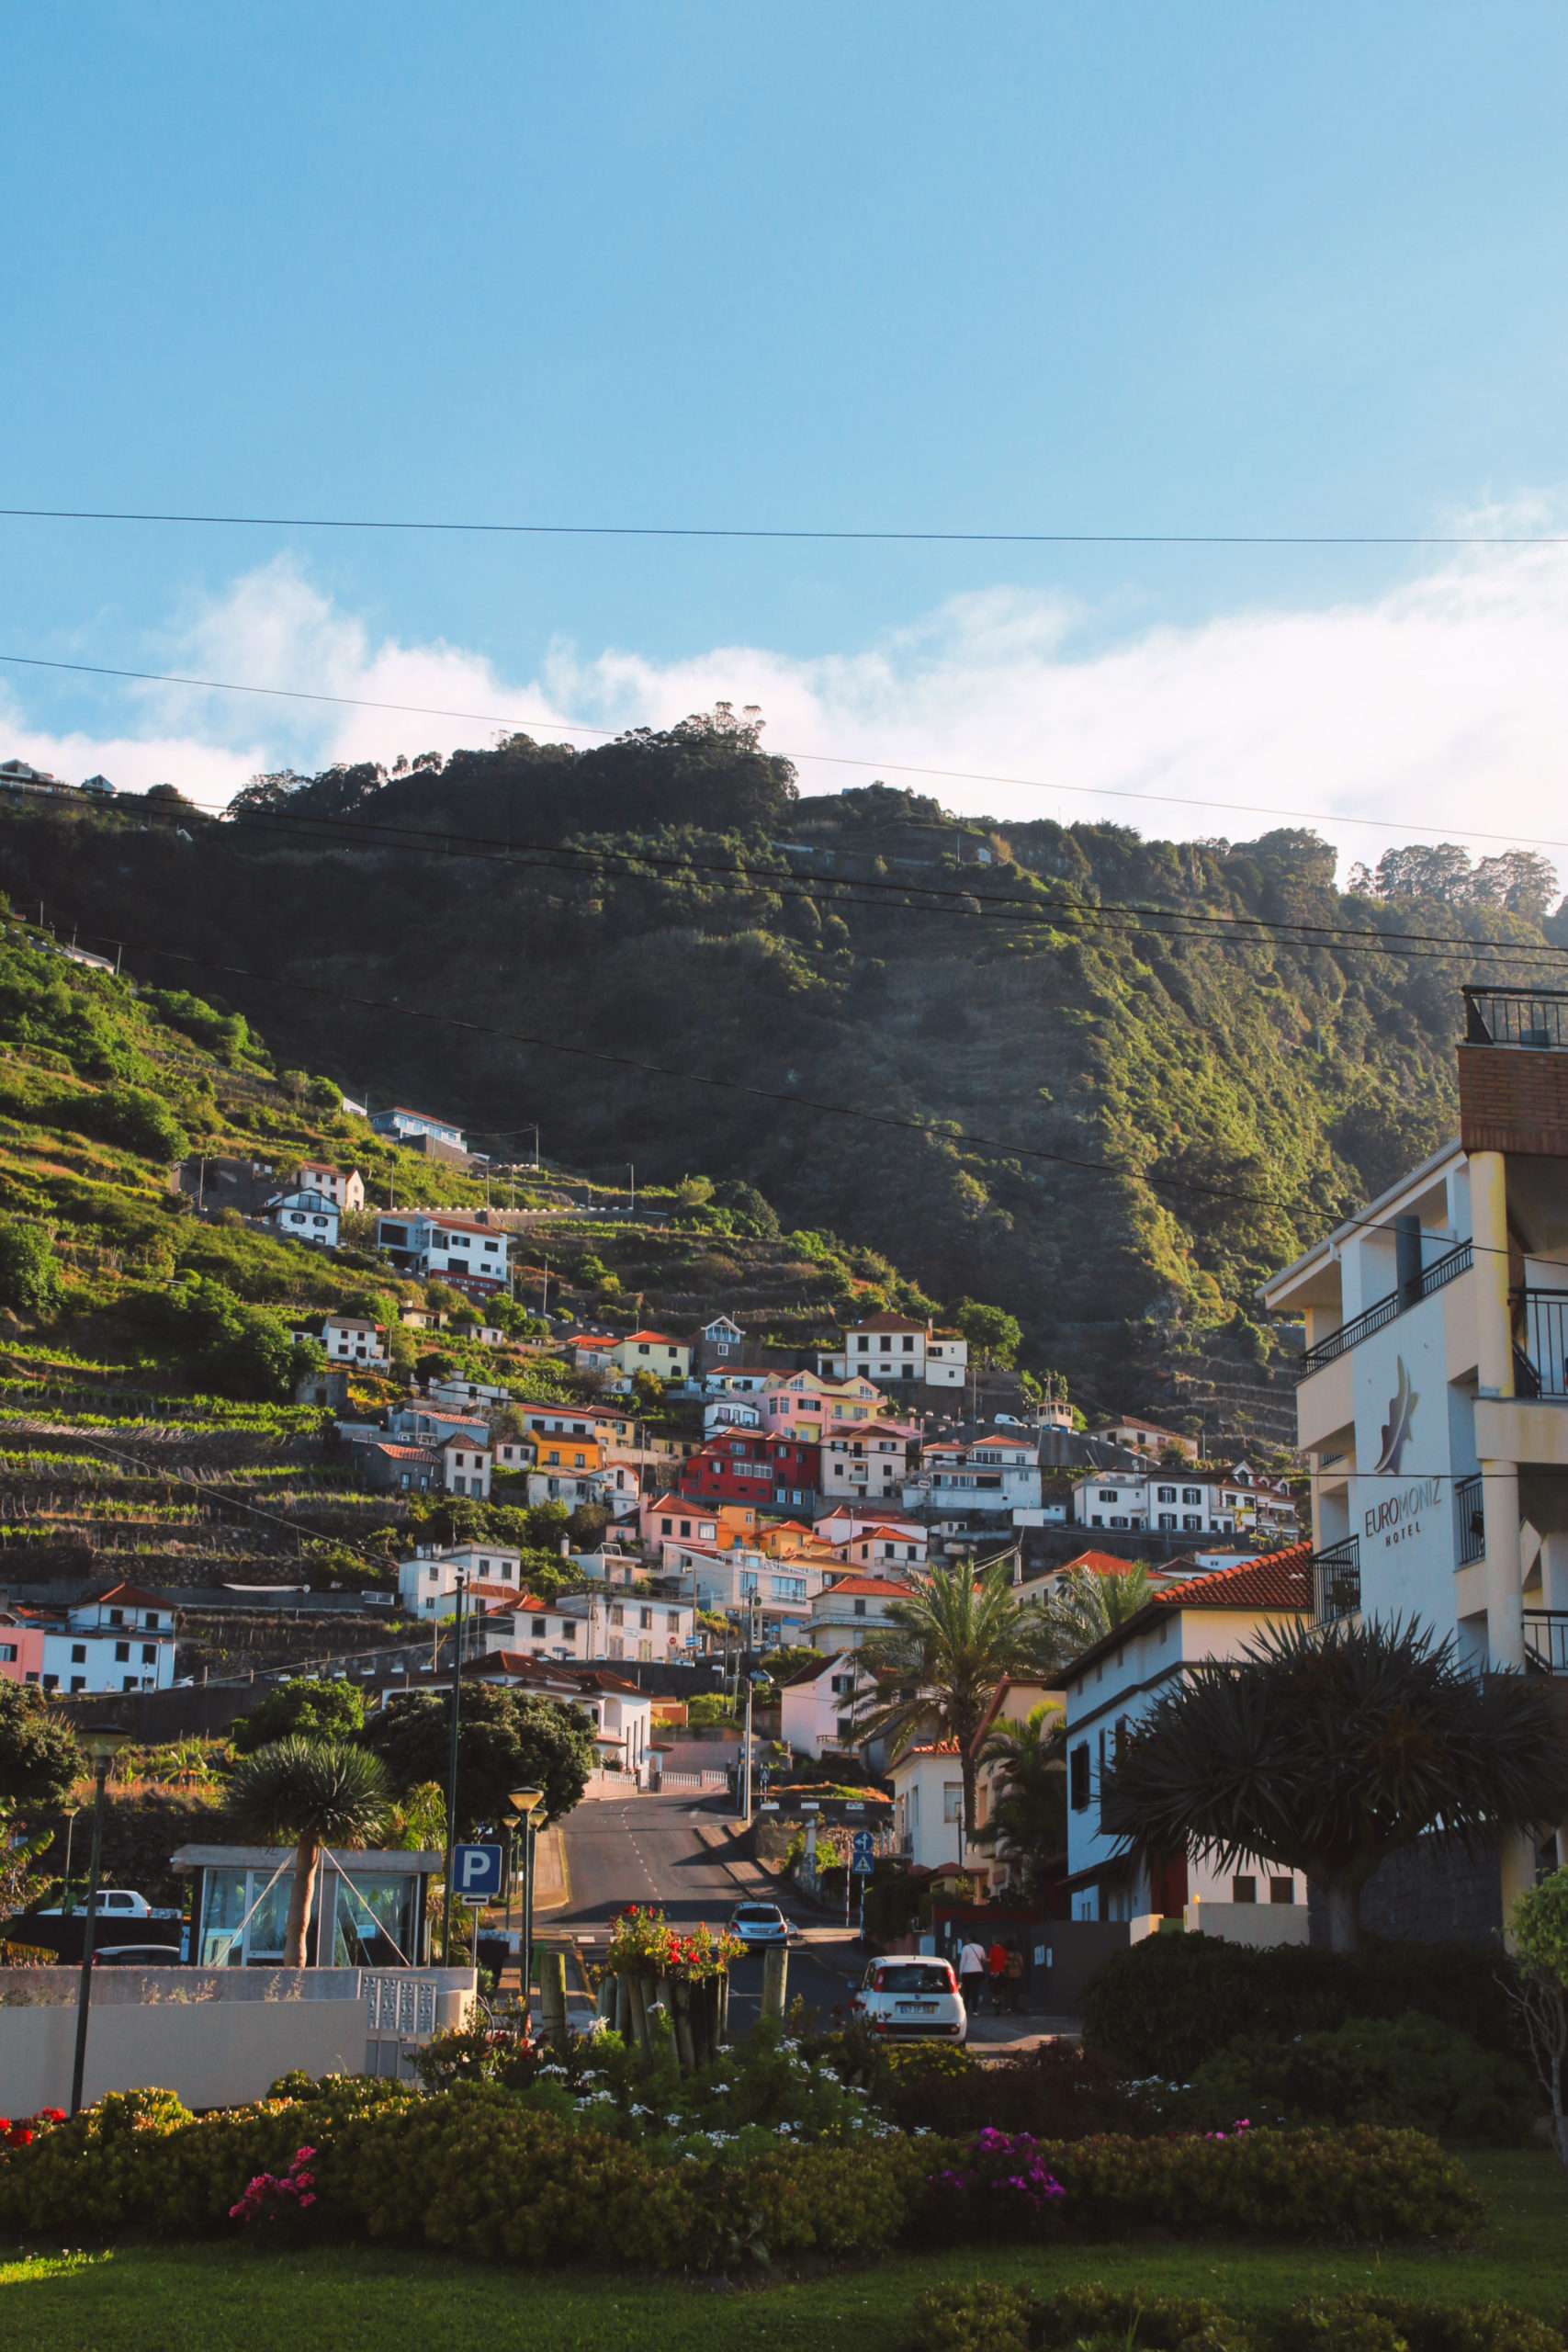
(1536, 1017)
(1337, 1580)
(1470, 1521)
(1349, 1335)
(1546, 1640)
(1540, 1366)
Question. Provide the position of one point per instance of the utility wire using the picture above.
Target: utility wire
(822, 759)
(765, 531)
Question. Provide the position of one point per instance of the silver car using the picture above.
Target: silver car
(759, 1924)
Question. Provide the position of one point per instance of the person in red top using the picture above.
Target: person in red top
(996, 1970)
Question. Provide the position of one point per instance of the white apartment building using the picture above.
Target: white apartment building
(1112, 1685)
(1237, 1502)
(304, 1216)
(1144, 1437)
(427, 1582)
(880, 1547)
(997, 1472)
(866, 1462)
(734, 1580)
(615, 1485)
(439, 1244)
(469, 1395)
(1433, 1399)
(121, 1639)
(592, 1626)
(348, 1339)
(817, 1707)
(431, 1424)
(849, 1608)
(895, 1350)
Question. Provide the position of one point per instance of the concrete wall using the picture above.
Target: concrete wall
(1261, 1924)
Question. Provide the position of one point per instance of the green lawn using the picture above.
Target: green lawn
(225, 2298)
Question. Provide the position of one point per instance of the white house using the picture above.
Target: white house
(441, 1245)
(885, 1548)
(348, 1339)
(426, 1423)
(896, 1352)
(622, 1716)
(927, 1804)
(1014, 1700)
(593, 1626)
(613, 1486)
(427, 1583)
(731, 1413)
(304, 1216)
(734, 1580)
(120, 1639)
(847, 1522)
(997, 1472)
(1234, 1501)
(456, 1466)
(817, 1709)
(740, 1380)
(469, 1395)
(402, 1124)
(849, 1608)
(865, 1463)
(1139, 1436)
(343, 1187)
(1113, 1683)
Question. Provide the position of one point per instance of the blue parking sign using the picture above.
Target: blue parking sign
(476, 1874)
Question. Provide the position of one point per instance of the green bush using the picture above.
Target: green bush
(315, 1709)
(1416, 2071)
(986, 2317)
(1168, 2003)
(495, 2172)
(1059, 2092)
(140, 1121)
(30, 1271)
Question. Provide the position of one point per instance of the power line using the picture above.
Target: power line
(821, 759)
(767, 531)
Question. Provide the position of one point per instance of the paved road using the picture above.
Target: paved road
(647, 1850)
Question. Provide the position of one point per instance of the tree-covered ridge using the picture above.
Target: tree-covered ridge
(530, 933)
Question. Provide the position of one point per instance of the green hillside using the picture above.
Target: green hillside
(441, 935)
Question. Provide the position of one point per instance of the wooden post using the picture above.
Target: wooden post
(775, 1982)
(552, 1998)
(621, 2020)
(721, 2027)
(686, 2023)
(637, 1999)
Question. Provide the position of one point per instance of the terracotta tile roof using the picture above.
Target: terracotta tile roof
(869, 1588)
(663, 1338)
(932, 1748)
(405, 1453)
(1099, 1563)
(1275, 1580)
(135, 1592)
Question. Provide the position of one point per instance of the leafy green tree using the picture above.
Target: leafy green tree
(142, 1123)
(310, 1793)
(506, 1740)
(942, 1653)
(1083, 1607)
(994, 1334)
(240, 1349)
(30, 1271)
(1029, 1800)
(39, 1755)
(304, 1710)
(1327, 1748)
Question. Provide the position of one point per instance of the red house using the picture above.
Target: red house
(750, 1466)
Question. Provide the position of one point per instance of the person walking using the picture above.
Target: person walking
(1014, 1977)
(972, 1975)
(997, 1969)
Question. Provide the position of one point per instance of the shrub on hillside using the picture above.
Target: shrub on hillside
(30, 1271)
(140, 1121)
(1059, 2092)
(1416, 2071)
(1168, 2003)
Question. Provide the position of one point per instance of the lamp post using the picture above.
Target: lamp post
(526, 1801)
(452, 1771)
(103, 1743)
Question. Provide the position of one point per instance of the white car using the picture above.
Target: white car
(118, 1901)
(759, 1925)
(915, 1997)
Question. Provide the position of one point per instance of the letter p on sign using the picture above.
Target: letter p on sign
(476, 1872)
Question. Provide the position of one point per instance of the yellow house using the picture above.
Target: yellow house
(553, 1451)
(654, 1351)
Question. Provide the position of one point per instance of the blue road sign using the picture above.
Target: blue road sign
(860, 1863)
(476, 1874)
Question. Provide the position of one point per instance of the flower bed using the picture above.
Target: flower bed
(660, 1974)
(986, 2317)
(532, 2175)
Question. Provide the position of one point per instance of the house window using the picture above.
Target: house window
(1243, 1890)
(1192, 1494)
(1107, 1495)
(1166, 1494)
(149, 1653)
(78, 1682)
(1078, 1777)
(1281, 1890)
(1168, 1518)
(8, 1652)
(1192, 1521)
(952, 1799)
(79, 1652)
(121, 1652)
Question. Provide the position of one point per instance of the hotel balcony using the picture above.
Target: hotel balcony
(1337, 1581)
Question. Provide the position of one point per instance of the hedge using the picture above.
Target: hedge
(1166, 2003)
(986, 2317)
(487, 2172)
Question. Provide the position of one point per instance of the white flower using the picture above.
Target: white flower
(639, 2111)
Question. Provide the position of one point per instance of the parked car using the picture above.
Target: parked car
(759, 1925)
(139, 1956)
(120, 1901)
(915, 1997)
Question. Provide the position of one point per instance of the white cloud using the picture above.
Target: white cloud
(1438, 707)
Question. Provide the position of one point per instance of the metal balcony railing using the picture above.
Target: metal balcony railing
(1540, 1366)
(1546, 1640)
(1470, 1521)
(1537, 1017)
(1337, 1580)
(1433, 1277)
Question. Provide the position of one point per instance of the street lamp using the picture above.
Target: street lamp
(526, 1801)
(103, 1743)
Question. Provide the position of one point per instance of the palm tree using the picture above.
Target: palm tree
(310, 1792)
(942, 1653)
(1327, 1748)
(1083, 1606)
(1029, 1802)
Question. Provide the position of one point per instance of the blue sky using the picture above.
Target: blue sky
(1137, 268)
